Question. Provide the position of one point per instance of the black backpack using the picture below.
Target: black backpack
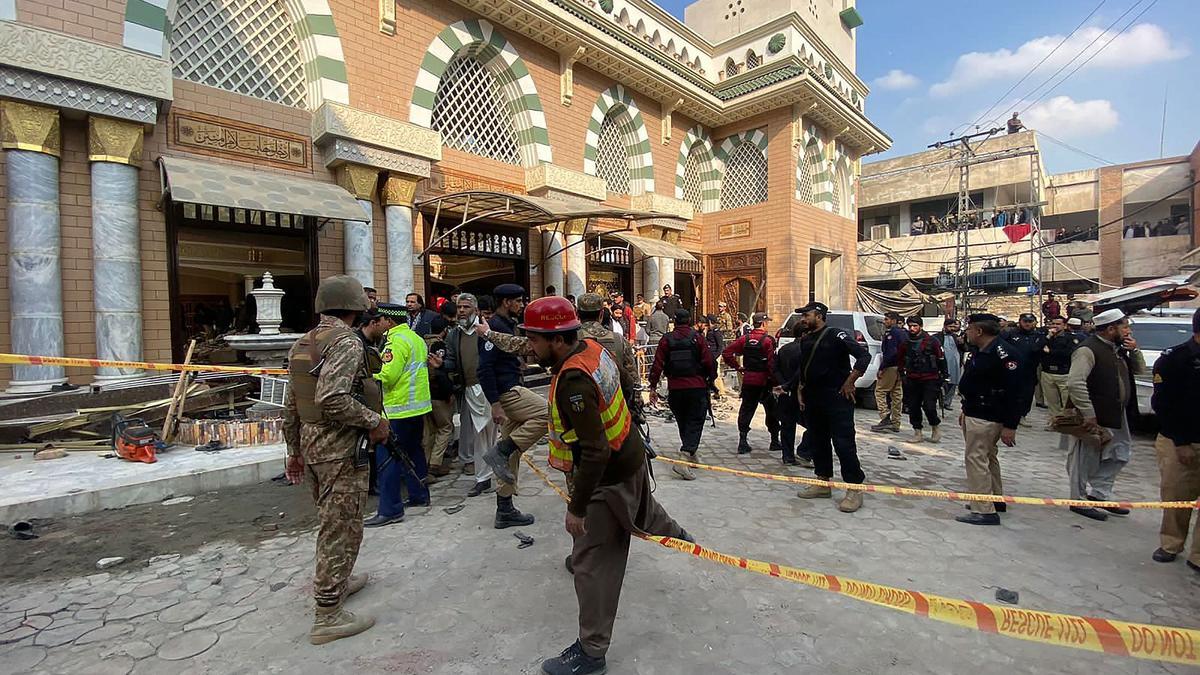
(683, 355)
(754, 355)
(920, 358)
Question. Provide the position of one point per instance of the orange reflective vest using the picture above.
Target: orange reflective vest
(599, 365)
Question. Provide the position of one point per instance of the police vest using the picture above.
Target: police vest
(406, 392)
(754, 354)
(598, 364)
(920, 358)
(683, 355)
(303, 372)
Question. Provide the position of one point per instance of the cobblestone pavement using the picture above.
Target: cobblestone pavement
(453, 595)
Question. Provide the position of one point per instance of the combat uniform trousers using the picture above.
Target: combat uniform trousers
(1178, 483)
(752, 395)
(1054, 389)
(599, 556)
(888, 384)
(981, 461)
(340, 493)
(439, 428)
(787, 410)
(526, 422)
(1039, 388)
(922, 395)
(1093, 468)
(830, 419)
(690, 408)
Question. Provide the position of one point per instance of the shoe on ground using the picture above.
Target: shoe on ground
(805, 463)
(1193, 566)
(884, 425)
(1115, 510)
(570, 567)
(791, 462)
(429, 480)
(513, 518)
(935, 435)
(775, 446)
(480, 488)
(743, 446)
(815, 492)
(469, 467)
(355, 583)
(440, 470)
(917, 436)
(379, 521)
(335, 623)
(1088, 512)
(415, 503)
(978, 518)
(684, 472)
(852, 502)
(497, 458)
(1162, 555)
(574, 661)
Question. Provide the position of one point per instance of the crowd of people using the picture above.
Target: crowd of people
(375, 388)
(1162, 228)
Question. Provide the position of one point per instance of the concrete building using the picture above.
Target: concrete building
(160, 156)
(905, 202)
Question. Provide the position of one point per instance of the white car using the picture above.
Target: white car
(1155, 333)
(867, 330)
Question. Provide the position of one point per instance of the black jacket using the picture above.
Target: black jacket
(787, 365)
(1056, 352)
(499, 371)
(1176, 390)
(993, 385)
(423, 325)
(830, 365)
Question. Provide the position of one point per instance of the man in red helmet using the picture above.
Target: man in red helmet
(593, 441)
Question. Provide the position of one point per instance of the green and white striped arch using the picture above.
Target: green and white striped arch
(812, 166)
(750, 178)
(698, 140)
(616, 101)
(756, 136)
(148, 30)
(843, 171)
(493, 50)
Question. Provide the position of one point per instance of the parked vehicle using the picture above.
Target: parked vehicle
(1155, 333)
(867, 330)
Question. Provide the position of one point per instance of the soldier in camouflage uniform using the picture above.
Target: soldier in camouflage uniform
(332, 403)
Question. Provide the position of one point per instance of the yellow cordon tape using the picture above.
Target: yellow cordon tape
(23, 360)
(935, 494)
(1139, 640)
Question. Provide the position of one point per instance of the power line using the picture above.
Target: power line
(1071, 147)
(1095, 53)
(1032, 70)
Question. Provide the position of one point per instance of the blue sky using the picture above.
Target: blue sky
(937, 65)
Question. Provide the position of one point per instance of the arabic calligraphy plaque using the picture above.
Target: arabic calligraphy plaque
(207, 134)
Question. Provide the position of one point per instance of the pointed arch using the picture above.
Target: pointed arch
(489, 46)
(323, 63)
(743, 163)
(814, 177)
(843, 182)
(696, 149)
(731, 67)
(618, 105)
(752, 60)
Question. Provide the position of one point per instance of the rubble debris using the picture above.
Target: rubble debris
(105, 563)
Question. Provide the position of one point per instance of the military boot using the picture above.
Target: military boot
(355, 583)
(935, 435)
(684, 472)
(775, 446)
(743, 446)
(917, 436)
(497, 458)
(507, 515)
(815, 492)
(335, 623)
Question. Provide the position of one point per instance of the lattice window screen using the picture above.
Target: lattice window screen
(612, 157)
(693, 183)
(809, 165)
(243, 46)
(470, 111)
(731, 68)
(837, 192)
(752, 60)
(842, 196)
(745, 177)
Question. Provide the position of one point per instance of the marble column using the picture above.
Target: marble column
(552, 260)
(398, 191)
(358, 237)
(576, 265)
(115, 151)
(32, 141)
(666, 274)
(651, 279)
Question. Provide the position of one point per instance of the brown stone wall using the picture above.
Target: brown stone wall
(1112, 210)
(99, 20)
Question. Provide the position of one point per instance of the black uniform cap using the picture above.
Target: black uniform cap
(392, 310)
(982, 316)
(818, 307)
(506, 291)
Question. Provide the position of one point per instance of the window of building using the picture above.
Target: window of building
(731, 68)
(752, 60)
(612, 155)
(808, 167)
(745, 177)
(470, 111)
(243, 46)
(698, 162)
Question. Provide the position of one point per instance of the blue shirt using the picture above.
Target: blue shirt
(499, 371)
(892, 339)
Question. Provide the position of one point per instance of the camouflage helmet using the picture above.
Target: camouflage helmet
(341, 292)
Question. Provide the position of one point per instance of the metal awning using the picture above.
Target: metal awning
(653, 248)
(1146, 294)
(525, 210)
(196, 182)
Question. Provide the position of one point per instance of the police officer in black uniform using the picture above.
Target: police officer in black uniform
(1055, 360)
(993, 389)
(1027, 341)
(826, 388)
